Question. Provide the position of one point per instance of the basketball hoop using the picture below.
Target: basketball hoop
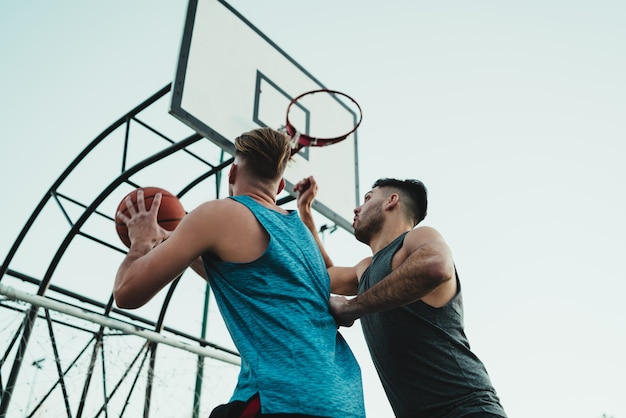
(300, 140)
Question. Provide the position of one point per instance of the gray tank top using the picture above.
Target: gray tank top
(422, 355)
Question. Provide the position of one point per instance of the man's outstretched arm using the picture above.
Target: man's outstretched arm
(427, 268)
(343, 280)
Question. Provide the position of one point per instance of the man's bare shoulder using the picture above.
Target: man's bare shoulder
(219, 207)
(422, 235)
(224, 227)
(215, 215)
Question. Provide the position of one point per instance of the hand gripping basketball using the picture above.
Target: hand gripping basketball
(170, 212)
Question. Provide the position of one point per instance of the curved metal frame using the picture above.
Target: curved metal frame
(23, 334)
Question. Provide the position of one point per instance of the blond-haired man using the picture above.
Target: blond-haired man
(270, 283)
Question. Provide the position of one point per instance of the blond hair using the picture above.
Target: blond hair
(265, 150)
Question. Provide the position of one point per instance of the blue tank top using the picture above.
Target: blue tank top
(276, 310)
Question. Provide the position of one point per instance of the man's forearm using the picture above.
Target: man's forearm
(307, 218)
(123, 291)
(421, 273)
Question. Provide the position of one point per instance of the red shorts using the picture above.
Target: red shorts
(249, 409)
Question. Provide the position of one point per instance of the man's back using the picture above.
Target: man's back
(276, 309)
(269, 280)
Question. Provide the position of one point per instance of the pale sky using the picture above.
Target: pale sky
(511, 113)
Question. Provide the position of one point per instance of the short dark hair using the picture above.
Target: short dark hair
(412, 189)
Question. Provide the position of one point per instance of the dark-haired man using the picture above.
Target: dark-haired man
(409, 304)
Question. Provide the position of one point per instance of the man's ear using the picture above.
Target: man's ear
(232, 173)
(392, 201)
(281, 185)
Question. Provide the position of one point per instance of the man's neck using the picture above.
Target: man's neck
(260, 195)
(386, 235)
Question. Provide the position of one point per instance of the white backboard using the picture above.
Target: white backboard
(231, 78)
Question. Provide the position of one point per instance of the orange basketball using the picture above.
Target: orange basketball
(170, 213)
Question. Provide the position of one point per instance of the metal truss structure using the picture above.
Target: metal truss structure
(65, 349)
